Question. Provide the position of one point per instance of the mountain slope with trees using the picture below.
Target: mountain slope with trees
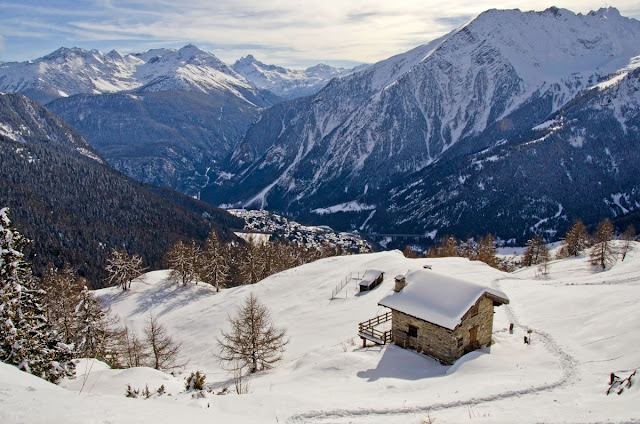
(78, 209)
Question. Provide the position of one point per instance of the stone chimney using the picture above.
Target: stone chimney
(400, 283)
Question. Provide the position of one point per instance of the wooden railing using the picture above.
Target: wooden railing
(375, 321)
(367, 329)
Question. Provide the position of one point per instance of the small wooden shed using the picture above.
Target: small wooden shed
(441, 316)
(371, 279)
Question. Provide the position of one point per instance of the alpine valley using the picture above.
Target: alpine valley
(515, 123)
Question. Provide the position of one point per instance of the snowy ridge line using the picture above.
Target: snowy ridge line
(569, 374)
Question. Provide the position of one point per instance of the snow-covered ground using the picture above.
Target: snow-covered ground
(583, 327)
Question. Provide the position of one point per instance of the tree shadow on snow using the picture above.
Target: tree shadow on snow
(405, 365)
(170, 297)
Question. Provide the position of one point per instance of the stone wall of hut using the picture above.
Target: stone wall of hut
(441, 343)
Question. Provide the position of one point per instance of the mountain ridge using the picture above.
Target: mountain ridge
(358, 138)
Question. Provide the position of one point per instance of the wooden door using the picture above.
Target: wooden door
(473, 340)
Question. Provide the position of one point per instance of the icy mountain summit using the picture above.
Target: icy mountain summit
(68, 72)
(287, 83)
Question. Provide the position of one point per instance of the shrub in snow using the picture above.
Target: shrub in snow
(195, 381)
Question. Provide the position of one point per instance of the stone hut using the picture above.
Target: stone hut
(441, 316)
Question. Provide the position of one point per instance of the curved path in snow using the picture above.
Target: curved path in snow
(569, 375)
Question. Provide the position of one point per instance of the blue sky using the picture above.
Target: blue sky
(294, 33)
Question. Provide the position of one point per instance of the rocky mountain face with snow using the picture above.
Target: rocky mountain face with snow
(288, 83)
(507, 124)
(164, 117)
(76, 208)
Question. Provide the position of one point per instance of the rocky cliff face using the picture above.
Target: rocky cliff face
(418, 119)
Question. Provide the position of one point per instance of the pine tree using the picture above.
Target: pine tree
(253, 341)
(467, 248)
(26, 338)
(603, 253)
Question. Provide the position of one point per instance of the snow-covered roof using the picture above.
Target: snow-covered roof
(437, 298)
(369, 277)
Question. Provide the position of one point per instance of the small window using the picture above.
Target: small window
(412, 331)
(460, 342)
(474, 310)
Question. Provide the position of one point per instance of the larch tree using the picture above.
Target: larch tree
(448, 247)
(123, 268)
(535, 252)
(163, 351)
(252, 342)
(628, 236)
(487, 251)
(97, 332)
(213, 266)
(252, 264)
(576, 240)
(603, 252)
(27, 340)
(183, 259)
(63, 288)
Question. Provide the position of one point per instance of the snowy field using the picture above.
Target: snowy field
(583, 323)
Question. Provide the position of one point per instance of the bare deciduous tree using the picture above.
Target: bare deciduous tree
(628, 236)
(603, 253)
(253, 341)
(213, 265)
(133, 352)
(123, 268)
(163, 350)
(183, 260)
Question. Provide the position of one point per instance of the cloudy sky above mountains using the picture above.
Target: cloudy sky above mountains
(293, 33)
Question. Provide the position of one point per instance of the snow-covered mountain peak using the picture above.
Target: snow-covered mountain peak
(114, 54)
(69, 71)
(285, 82)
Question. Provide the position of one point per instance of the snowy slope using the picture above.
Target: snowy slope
(68, 72)
(287, 83)
(583, 327)
(491, 80)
